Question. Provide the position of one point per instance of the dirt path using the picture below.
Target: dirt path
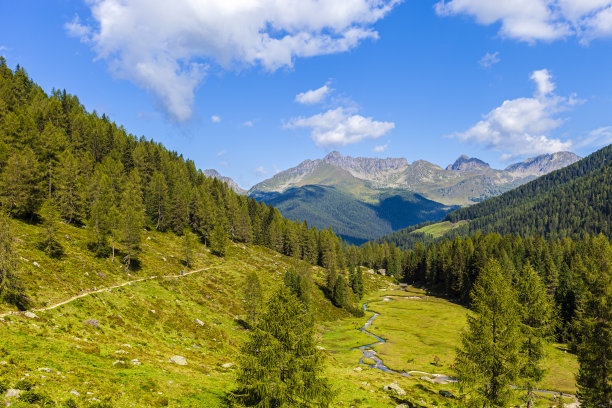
(108, 289)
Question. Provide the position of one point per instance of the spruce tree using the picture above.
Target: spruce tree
(339, 293)
(218, 240)
(132, 218)
(280, 365)
(594, 377)
(49, 242)
(253, 298)
(488, 361)
(536, 317)
(188, 247)
(11, 289)
(20, 184)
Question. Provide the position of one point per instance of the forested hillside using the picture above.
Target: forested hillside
(60, 163)
(568, 202)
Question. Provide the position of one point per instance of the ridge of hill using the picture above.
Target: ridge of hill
(571, 201)
(228, 180)
(353, 194)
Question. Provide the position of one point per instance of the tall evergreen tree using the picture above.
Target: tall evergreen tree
(11, 288)
(280, 365)
(595, 329)
(536, 317)
(49, 242)
(69, 188)
(20, 184)
(218, 240)
(253, 298)
(157, 195)
(339, 292)
(132, 218)
(188, 247)
(488, 361)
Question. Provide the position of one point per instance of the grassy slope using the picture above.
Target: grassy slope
(416, 332)
(439, 229)
(150, 321)
(419, 330)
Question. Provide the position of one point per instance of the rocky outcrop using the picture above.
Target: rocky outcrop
(543, 164)
(465, 163)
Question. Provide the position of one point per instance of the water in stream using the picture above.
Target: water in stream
(371, 354)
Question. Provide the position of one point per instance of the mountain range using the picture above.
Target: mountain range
(364, 198)
(568, 202)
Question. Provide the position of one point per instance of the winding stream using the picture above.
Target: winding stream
(371, 354)
(368, 353)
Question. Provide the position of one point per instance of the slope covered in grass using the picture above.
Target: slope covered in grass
(88, 345)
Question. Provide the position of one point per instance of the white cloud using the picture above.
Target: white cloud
(313, 96)
(221, 153)
(522, 126)
(381, 148)
(538, 20)
(3, 48)
(260, 171)
(597, 138)
(215, 119)
(339, 127)
(248, 123)
(168, 47)
(489, 59)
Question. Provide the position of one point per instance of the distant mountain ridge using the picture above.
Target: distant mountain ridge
(466, 181)
(465, 163)
(230, 182)
(569, 202)
(363, 198)
(543, 164)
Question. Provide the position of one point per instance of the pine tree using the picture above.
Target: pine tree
(595, 329)
(69, 187)
(188, 247)
(488, 360)
(132, 218)
(11, 289)
(218, 240)
(253, 298)
(158, 200)
(51, 218)
(20, 184)
(280, 365)
(339, 293)
(536, 318)
(332, 277)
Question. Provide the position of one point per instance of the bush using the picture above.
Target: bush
(4, 385)
(36, 397)
(105, 403)
(70, 403)
(25, 385)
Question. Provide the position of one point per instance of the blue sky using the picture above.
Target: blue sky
(227, 83)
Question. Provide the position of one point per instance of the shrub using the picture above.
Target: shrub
(36, 397)
(25, 384)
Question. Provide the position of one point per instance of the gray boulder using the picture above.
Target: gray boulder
(12, 393)
(395, 388)
(179, 360)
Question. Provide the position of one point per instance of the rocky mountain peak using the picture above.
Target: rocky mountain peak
(215, 174)
(466, 163)
(543, 164)
(333, 156)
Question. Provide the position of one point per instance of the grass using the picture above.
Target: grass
(148, 321)
(153, 320)
(440, 228)
(419, 330)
